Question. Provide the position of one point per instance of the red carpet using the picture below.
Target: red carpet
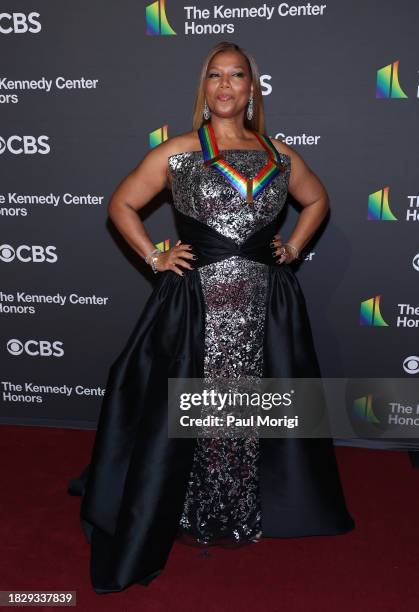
(374, 567)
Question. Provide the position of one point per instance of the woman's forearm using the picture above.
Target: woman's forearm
(126, 219)
(309, 220)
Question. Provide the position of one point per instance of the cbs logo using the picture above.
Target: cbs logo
(26, 253)
(36, 348)
(19, 23)
(28, 145)
(411, 364)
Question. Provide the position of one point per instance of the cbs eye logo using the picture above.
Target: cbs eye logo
(35, 348)
(411, 364)
(28, 253)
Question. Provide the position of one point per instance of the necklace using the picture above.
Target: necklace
(248, 188)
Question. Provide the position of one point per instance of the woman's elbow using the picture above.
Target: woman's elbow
(113, 207)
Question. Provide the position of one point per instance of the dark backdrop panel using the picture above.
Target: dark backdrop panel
(318, 76)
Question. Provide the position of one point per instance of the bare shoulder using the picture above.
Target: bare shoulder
(303, 184)
(283, 148)
(189, 141)
(157, 159)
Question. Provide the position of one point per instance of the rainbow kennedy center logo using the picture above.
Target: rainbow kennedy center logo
(370, 314)
(387, 84)
(220, 19)
(163, 246)
(378, 206)
(156, 20)
(395, 410)
(158, 136)
(362, 409)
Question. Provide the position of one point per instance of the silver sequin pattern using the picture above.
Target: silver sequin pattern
(222, 500)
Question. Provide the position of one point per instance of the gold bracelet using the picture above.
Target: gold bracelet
(291, 246)
(152, 258)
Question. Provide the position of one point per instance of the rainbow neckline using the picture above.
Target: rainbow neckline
(249, 188)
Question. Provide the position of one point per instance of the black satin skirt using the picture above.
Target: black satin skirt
(134, 488)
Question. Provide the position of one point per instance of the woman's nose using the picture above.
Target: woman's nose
(225, 80)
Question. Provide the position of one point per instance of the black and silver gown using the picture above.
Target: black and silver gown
(236, 314)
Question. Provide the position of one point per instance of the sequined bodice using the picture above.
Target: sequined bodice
(206, 195)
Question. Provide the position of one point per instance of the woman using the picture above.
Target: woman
(226, 304)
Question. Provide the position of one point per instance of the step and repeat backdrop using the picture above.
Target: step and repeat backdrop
(87, 88)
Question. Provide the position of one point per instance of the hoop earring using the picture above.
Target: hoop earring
(207, 112)
(250, 108)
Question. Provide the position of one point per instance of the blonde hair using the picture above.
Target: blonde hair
(257, 123)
